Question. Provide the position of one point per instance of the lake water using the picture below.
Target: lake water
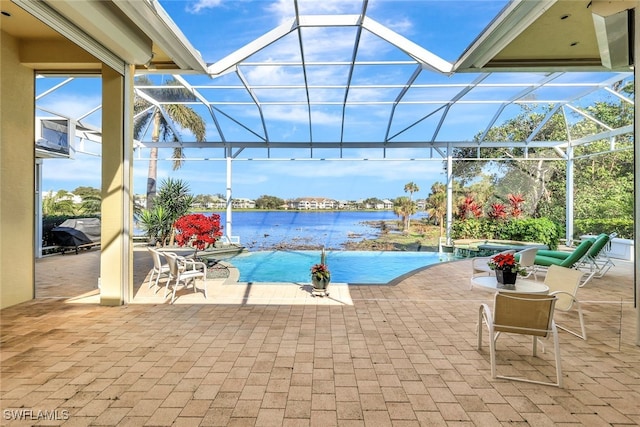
(259, 230)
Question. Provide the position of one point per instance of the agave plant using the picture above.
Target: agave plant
(156, 224)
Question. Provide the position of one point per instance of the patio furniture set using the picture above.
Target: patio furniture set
(178, 269)
(528, 308)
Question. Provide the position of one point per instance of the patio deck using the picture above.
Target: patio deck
(273, 355)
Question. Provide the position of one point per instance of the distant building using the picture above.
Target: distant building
(312, 203)
(217, 203)
(243, 203)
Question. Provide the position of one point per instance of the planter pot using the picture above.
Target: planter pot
(320, 284)
(506, 279)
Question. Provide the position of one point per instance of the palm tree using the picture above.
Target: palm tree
(437, 204)
(404, 207)
(184, 116)
(60, 203)
(91, 200)
(410, 187)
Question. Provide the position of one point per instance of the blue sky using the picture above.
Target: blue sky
(217, 28)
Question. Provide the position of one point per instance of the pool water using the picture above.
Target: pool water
(364, 267)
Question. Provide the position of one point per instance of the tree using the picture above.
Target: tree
(411, 187)
(91, 203)
(269, 202)
(603, 180)
(183, 115)
(60, 203)
(436, 204)
(84, 191)
(404, 207)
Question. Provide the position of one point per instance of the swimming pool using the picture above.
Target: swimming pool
(365, 267)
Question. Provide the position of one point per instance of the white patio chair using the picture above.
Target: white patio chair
(524, 314)
(159, 268)
(564, 284)
(527, 258)
(183, 270)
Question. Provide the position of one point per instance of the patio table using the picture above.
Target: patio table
(521, 286)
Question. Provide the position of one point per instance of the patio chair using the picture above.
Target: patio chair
(159, 268)
(183, 270)
(527, 258)
(524, 314)
(563, 283)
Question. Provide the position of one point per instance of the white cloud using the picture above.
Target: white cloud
(73, 106)
(388, 170)
(200, 5)
(69, 174)
(283, 9)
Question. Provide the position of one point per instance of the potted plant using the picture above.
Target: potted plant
(507, 269)
(320, 276)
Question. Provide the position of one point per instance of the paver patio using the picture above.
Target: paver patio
(273, 355)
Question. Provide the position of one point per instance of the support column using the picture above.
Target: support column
(17, 182)
(116, 261)
(449, 193)
(38, 207)
(569, 196)
(227, 227)
(636, 172)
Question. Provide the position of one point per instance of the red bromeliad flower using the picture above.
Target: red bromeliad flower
(498, 211)
(516, 201)
(198, 230)
(469, 208)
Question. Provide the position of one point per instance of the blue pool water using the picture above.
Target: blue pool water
(364, 267)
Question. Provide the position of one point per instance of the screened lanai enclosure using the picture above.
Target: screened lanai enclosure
(354, 85)
(430, 84)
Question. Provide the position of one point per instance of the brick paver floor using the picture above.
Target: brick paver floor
(402, 354)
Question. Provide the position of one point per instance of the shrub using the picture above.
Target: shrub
(156, 224)
(198, 230)
(541, 230)
(622, 226)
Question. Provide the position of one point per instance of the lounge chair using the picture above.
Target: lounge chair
(545, 258)
(597, 261)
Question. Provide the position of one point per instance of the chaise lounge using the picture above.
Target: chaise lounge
(573, 259)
